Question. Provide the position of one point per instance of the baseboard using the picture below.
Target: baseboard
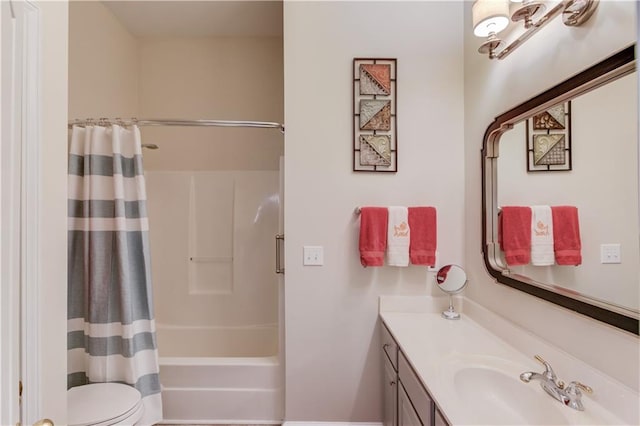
(174, 422)
(332, 424)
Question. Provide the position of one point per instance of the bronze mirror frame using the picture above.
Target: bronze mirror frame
(611, 68)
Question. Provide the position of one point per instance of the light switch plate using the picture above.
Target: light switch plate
(313, 255)
(610, 253)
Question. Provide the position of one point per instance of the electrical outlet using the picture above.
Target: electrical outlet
(313, 255)
(433, 268)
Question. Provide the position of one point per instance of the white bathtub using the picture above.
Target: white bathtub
(215, 375)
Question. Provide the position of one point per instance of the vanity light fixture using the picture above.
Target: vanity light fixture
(526, 11)
(533, 13)
(489, 18)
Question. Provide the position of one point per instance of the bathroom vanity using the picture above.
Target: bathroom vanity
(406, 402)
(440, 372)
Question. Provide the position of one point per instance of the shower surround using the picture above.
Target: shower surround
(216, 293)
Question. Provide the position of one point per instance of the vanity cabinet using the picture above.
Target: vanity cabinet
(406, 401)
(407, 415)
(439, 420)
(390, 375)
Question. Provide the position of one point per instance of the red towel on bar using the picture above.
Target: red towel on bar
(423, 239)
(373, 235)
(566, 235)
(514, 230)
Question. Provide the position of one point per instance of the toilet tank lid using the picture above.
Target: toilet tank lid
(99, 402)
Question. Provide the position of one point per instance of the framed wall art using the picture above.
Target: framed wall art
(375, 132)
(549, 139)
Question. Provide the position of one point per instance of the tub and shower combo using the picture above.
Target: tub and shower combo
(217, 298)
(216, 294)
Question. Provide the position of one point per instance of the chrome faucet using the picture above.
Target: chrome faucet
(570, 395)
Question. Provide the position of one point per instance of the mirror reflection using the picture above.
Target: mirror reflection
(602, 184)
(451, 279)
(571, 150)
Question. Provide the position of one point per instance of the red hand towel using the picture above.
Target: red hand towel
(515, 232)
(423, 243)
(566, 235)
(373, 235)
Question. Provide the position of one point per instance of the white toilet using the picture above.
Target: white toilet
(103, 404)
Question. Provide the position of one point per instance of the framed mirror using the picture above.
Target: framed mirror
(575, 144)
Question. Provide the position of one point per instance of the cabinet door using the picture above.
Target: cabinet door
(411, 384)
(407, 415)
(390, 390)
(389, 346)
(439, 419)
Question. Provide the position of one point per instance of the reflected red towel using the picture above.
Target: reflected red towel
(373, 235)
(514, 234)
(423, 243)
(566, 235)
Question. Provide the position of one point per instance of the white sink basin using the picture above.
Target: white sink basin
(473, 374)
(499, 399)
(491, 392)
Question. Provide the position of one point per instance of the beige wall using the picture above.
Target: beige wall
(492, 87)
(53, 223)
(216, 78)
(114, 74)
(103, 64)
(332, 345)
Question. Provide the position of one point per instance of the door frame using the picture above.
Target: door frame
(31, 350)
(9, 224)
(20, 197)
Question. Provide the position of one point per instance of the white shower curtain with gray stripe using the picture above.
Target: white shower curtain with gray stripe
(111, 328)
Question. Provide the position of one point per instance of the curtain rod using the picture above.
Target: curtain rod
(176, 122)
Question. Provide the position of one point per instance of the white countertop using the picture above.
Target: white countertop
(456, 359)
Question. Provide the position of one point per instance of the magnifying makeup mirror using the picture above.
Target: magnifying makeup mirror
(451, 279)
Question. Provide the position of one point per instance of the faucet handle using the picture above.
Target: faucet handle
(549, 373)
(575, 387)
(574, 395)
(541, 360)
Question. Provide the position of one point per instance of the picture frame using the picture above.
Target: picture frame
(375, 131)
(548, 139)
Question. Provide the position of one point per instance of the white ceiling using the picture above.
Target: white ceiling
(237, 18)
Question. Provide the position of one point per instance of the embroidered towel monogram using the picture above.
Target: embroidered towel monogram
(541, 236)
(398, 236)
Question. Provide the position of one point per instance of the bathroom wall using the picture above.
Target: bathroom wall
(492, 87)
(332, 343)
(103, 64)
(223, 78)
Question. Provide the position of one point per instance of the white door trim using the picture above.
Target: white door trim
(31, 202)
(19, 215)
(9, 222)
